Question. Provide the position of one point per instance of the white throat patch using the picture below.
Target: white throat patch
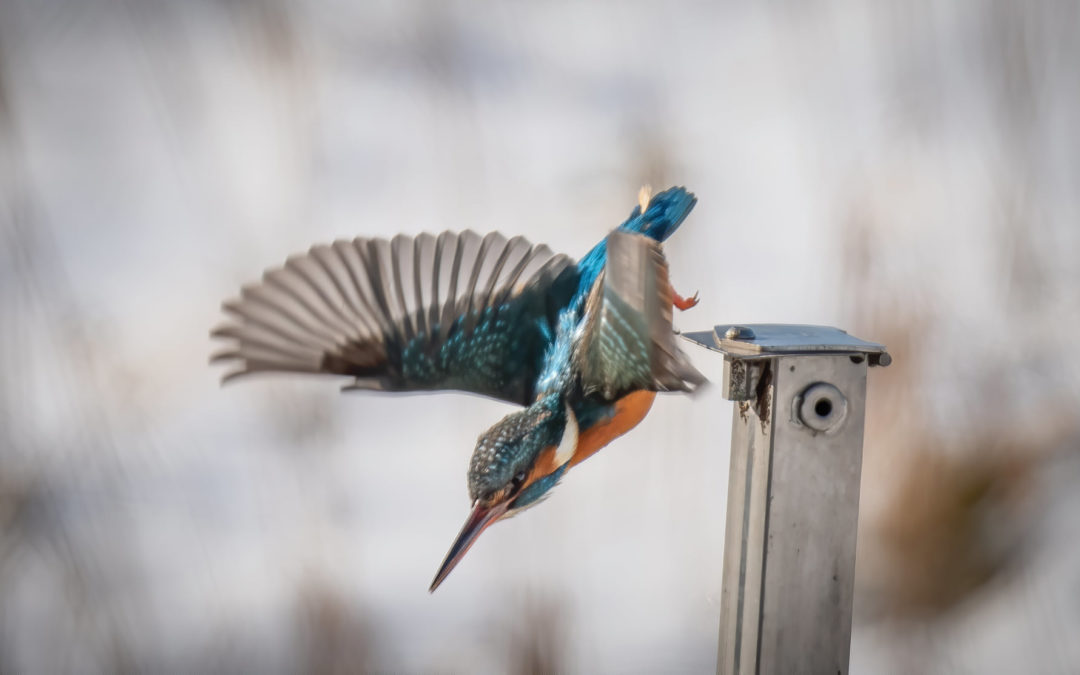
(568, 444)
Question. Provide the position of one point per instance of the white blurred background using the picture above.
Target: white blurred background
(908, 171)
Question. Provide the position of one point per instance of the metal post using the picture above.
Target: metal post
(793, 494)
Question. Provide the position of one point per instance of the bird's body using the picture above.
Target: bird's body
(584, 346)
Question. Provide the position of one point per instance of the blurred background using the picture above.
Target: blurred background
(909, 171)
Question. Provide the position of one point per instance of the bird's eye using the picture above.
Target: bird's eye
(519, 479)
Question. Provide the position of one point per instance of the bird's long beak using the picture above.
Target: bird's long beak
(478, 521)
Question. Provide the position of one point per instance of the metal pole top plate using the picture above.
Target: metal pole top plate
(766, 340)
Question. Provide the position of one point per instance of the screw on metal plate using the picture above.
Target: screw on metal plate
(821, 407)
(739, 333)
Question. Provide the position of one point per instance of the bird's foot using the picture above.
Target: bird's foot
(684, 303)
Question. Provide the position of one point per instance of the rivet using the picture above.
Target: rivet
(739, 333)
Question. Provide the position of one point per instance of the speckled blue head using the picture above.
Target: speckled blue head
(506, 452)
(516, 463)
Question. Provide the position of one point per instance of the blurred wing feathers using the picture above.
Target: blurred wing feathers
(629, 343)
(455, 311)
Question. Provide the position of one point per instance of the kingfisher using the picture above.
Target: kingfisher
(583, 347)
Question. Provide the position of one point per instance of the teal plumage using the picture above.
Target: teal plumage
(487, 315)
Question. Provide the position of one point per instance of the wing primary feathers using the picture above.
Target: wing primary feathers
(358, 307)
(277, 279)
(245, 338)
(449, 309)
(324, 256)
(334, 308)
(549, 266)
(258, 296)
(253, 366)
(396, 256)
(336, 263)
(373, 263)
(500, 262)
(241, 310)
(418, 288)
(515, 274)
(436, 300)
(365, 315)
(469, 299)
(465, 300)
(253, 354)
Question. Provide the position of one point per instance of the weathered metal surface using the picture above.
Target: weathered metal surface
(793, 495)
(741, 377)
(773, 339)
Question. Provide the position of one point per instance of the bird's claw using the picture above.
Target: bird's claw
(685, 303)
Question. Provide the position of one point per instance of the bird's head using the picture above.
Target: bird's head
(514, 465)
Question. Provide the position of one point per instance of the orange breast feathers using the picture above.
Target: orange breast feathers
(629, 410)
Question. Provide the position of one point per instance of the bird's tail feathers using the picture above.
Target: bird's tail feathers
(662, 215)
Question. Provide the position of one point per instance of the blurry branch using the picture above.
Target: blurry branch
(1012, 45)
(42, 466)
(959, 517)
(953, 514)
(536, 646)
(957, 507)
(333, 638)
(18, 496)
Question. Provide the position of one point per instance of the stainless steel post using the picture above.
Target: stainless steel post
(793, 494)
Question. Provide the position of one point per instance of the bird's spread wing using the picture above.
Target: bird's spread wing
(629, 343)
(453, 311)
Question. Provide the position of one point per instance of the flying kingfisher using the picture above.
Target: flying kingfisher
(584, 346)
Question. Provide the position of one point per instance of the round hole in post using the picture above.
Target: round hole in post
(821, 407)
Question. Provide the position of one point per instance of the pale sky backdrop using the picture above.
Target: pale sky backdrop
(892, 168)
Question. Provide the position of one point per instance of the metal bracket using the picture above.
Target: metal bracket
(746, 346)
(793, 494)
